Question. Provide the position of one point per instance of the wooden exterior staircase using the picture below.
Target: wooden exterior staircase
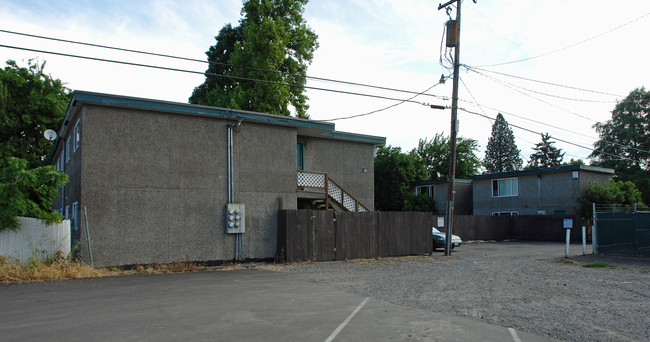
(336, 197)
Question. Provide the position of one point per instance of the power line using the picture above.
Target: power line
(474, 68)
(541, 93)
(382, 109)
(557, 127)
(568, 46)
(513, 87)
(212, 74)
(558, 139)
(213, 62)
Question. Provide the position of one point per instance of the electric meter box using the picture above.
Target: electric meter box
(235, 218)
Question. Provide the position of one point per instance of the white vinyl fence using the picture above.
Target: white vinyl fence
(35, 239)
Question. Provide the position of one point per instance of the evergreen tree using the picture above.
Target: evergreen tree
(546, 155)
(501, 153)
(272, 35)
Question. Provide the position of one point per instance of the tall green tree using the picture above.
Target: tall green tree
(624, 141)
(30, 102)
(272, 35)
(434, 153)
(546, 155)
(394, 173)
(501, 152)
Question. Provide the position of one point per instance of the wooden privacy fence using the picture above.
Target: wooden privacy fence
(327, 235)
(518, 227)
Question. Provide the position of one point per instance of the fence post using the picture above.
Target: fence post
(593, 229)
(584, 240)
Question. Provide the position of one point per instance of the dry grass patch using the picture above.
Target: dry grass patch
(55, 268)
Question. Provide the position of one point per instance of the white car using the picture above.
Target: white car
(439, 239)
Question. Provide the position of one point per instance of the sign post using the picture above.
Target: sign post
(567, 224)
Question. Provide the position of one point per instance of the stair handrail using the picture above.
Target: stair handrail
(321, 180)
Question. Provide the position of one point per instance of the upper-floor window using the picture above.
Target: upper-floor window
(76, 136)
(505, 187)
(67, 150)
(75, 211)
(425, 189)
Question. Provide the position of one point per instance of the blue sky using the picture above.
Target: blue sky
(388, 43)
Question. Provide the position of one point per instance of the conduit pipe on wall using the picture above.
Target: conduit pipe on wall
(239, 239)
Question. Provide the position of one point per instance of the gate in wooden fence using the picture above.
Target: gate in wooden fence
(327, 235)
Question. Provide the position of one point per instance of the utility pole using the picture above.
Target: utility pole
(454, 126)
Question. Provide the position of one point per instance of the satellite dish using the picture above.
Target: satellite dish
(49, 134)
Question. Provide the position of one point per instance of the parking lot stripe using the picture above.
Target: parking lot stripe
(514, 335)
(347, 320)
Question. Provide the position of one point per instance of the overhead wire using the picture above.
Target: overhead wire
(558, 139)
(555, 127)
(382, 109)
(213, 74)
(543, 101)
(514, 88)
(473, 68)
(542, 93)
(212, 62)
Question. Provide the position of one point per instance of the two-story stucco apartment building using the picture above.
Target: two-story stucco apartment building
(547, 191)
(157, 179)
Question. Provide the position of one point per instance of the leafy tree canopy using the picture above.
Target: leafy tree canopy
(30, 103)
(546, 155)
(28, 192)
(501, 153)
(616, 192)
(434, 154)
(624, 141)
(394, 173)
(419, 202)
(272, 35)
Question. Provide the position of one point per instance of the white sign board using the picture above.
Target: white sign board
(441, 221)
(568, 224)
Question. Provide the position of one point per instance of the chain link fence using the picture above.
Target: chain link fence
(36, 240)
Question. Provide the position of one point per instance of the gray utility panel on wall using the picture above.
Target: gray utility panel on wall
(235, 218)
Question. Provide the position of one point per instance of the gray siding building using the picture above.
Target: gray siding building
(155, 176)
(549, 191)
(438, 189)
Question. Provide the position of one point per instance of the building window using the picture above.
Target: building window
(62, 157)
(506, 187)
(300, 156)
(425, 189)
(67, 150)
(505, 213)
(76, 136)
(75, 209)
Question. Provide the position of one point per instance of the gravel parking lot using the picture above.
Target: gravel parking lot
(524, 285)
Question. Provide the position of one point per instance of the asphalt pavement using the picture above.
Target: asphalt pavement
(238, 305)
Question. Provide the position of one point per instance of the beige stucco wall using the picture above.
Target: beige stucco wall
(155, 185)
(349, 164)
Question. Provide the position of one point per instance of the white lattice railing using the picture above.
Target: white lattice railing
(320, 180)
